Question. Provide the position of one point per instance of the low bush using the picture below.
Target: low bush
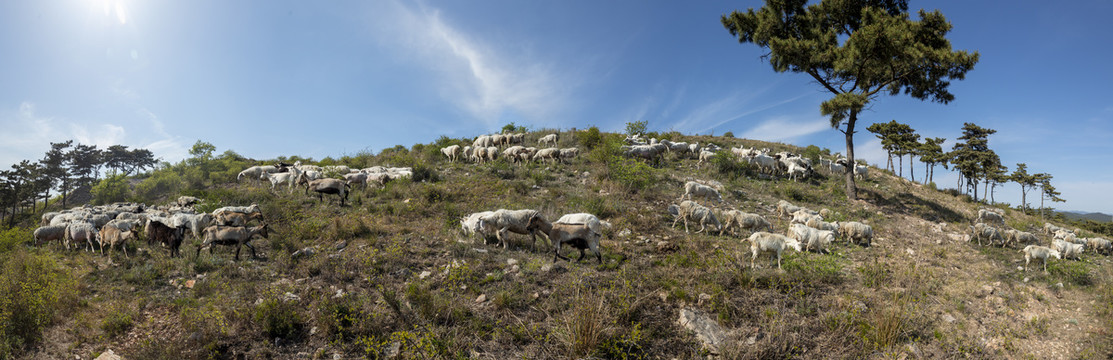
(34, 292)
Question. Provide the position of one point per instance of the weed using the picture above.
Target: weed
(874, 274)
(584, 327)
(625, 346)
(1074, 272)
(279, 317)
(34, 291)
(120, 319)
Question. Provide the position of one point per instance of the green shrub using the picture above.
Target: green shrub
(34, 291)
(12, 237)
(424, 173)
(728, 165)
(590, 138)
(110, 189)
(1074, 272)
(159, 184)
(120, 319)
(636, 127)
(728, 135)
(278, 317)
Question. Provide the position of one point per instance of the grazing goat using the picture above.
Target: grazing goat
(693, 188)
(516, 221)
(768, 242)
(231, 235)
(1039, 252)
(328, 186)
(169, 236)
(580, 236)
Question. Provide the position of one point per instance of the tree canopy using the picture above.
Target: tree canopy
(857, 50)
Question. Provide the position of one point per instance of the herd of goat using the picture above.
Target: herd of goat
(107, 226)
(112, 225)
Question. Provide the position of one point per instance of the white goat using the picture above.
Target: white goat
(693, 188)
(768, 242)
(451, 152)
(736, 219)
(856, 231)
(1038, 252)
(812, 238)
(548, 139)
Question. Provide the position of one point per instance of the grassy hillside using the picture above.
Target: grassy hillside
(391, 275)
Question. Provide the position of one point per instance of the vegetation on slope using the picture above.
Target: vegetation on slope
(391, 275)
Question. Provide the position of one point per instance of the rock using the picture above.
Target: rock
(513, 269)
(665, 246)
(481, 298)
(707, 330)
(288, 296)
(860, 306)
(947, 318)
(341, 245)
(393, 349)
(1059, 285)
(704, 297)
(910, 251)
(511, 261)
(108, 355)
(190, 283)
(1026, 279)
(535, 295)
(306, 252)
(984, 291)
(425, 274)
(313, 331)
(339, 294)
(912, 349)
(481, 251)
(554, 267)
(625, 233)
(1020, 268)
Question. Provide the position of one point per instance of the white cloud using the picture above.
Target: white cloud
(27, 135)
(475, 75)
(786, 129)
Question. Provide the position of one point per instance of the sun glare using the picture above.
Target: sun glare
(121, 12)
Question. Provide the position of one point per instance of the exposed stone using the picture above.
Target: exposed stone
(108, 355)
(306, 252)
(425, 274)
(511, 261)
(665, 246)
(707, 330)
(288, 296)
(190, 283)
(481, 298)
(947, 318)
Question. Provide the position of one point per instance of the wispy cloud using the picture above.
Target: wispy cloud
(28, 134)
(474, 74)
(786, 129)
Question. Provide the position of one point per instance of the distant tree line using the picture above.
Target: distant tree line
(976, 163)
(63, 168)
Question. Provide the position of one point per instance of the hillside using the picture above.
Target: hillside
(392, 276)
(1100, 217)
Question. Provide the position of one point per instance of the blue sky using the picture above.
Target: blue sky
(297, 78)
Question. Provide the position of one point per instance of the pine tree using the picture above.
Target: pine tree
(857, 50)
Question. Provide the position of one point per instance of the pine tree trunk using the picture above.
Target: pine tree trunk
(1023, 200)
(985, 192)
(851, 188)
(911, 168)
(900, 159)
